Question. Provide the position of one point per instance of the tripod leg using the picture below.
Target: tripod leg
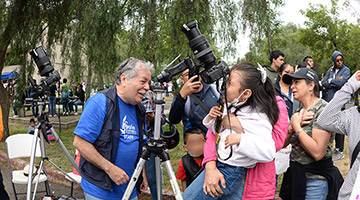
(172, 179)
(158, 177)
(32, 160)
(58, 140)
(134, 179)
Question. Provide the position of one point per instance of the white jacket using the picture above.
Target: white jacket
(256, 144)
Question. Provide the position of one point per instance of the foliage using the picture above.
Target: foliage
(325, 33)
(260, 17)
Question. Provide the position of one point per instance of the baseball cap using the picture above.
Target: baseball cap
(302, 73)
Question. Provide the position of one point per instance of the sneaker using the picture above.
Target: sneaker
(76, 113)
(338, 156)
(16, 116)
(50, 116)
(67, 113)
(55, 115)
(64, 113)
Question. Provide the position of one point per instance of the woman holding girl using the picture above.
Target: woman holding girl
(245, 137)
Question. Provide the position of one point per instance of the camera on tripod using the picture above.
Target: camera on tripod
(201, 48)
(45, 69)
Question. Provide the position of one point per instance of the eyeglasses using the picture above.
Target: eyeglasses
(339, 60)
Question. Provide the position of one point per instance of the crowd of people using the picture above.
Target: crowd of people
(70, 97)
(230, 144)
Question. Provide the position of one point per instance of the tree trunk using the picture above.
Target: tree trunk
(5, 106)
(88, 84)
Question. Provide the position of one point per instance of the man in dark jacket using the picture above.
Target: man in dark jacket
(110, 133)
(333, 80)
(193, 103)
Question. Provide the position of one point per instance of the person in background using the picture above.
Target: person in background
(31, 128)
(65, 96)
(303, 65)
(276, 59)
(284, 91)
(52, 100)
(190, 164)
(3, 194)
(79, 100)
(333, 80)
(309, 60)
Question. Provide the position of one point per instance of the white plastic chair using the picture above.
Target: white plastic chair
(19, 146)
(76, 177)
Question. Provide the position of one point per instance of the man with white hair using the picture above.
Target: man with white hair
(110, 133)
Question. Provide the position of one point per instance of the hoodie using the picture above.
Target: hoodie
(334, 84)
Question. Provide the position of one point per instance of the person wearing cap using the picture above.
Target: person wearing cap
(311, 174)
(333, 80)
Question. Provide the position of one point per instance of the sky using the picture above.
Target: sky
(291, 13)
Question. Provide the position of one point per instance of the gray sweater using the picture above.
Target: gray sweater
(345, 122)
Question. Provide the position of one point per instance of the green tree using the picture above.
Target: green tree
(22, 25)
(260, 16)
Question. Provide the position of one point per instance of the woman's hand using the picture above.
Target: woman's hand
(300, 119)
(232, 139)
(215, 112)
(212, 178)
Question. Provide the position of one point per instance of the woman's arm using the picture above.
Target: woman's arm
(317, 144)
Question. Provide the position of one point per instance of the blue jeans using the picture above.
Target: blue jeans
(316, 189)
(235, 182)
(66, 106)
(76, 103)
(89, 197)
(151, 176)
(52, 105)
(35, 111)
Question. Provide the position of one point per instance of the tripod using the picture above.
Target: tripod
(41, 124)
(156, 146)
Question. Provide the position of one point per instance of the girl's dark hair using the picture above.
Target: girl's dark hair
(359, 109)
(263, 94)
(316, 88)
(282, 68)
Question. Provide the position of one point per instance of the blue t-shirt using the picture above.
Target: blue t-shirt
(89, 128)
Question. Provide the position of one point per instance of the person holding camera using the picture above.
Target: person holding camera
(193, 102)
(110, 133)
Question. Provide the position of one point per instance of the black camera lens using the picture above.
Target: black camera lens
(199, 45)
(42, 61)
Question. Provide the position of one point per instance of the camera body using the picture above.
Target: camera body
(203, 52)
(45, 69)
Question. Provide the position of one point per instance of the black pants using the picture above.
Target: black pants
(339, 140)
(3, 193)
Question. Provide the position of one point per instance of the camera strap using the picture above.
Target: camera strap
(203, 106)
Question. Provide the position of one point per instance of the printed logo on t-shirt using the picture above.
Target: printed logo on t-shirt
(127, 129)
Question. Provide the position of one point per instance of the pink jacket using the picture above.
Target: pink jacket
(260, 180)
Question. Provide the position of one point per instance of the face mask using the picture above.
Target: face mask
(235, 103)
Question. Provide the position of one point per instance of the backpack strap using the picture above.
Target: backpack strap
(203, 106)
(355, 154)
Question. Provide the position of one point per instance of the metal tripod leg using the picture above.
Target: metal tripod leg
(172, 178)
(134, 179)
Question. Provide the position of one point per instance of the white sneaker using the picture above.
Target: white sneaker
(16, 116)
(67, 113)
(76, 113)
(50, 116)
(338, 155)
(55, 115)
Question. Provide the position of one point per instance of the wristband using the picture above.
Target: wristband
(297, 133)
